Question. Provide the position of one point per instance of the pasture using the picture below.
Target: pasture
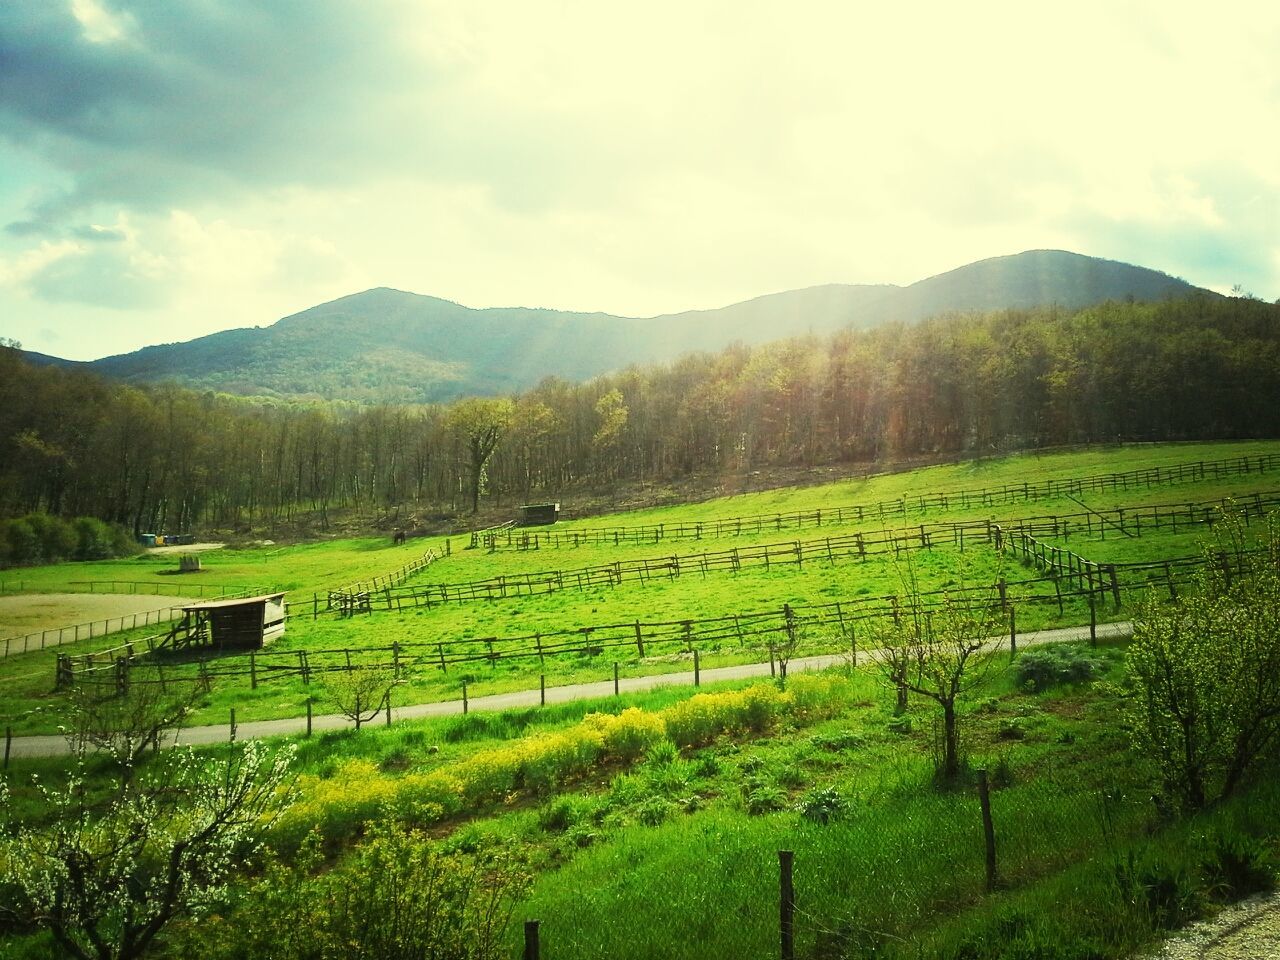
(641, 592)
(650, 824)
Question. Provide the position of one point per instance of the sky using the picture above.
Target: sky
(170, 168)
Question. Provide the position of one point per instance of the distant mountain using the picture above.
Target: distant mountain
(388, 345)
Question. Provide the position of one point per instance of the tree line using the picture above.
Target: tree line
(167, 458)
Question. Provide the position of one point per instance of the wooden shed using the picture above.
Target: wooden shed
(539, 514)
(249, 623)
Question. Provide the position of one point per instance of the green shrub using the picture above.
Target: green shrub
(823, 805)
(761, 798)
(1040, 668)
(1012, 729)
(1235, 866)
(655, 811)
(1161, 887)
(835, 742)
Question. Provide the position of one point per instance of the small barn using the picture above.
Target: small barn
(539, 514)
(248, 623)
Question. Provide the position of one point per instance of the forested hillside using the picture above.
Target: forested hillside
(396, 347)
(165, 457)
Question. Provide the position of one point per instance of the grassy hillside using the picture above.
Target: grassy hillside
(649, 824)
(594, 625)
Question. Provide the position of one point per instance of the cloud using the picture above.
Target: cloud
(152, 102)
(98, 234)
(121, 279)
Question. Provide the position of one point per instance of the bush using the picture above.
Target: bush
(1235, 866)
(397, 895)
(823, 805)
(1161, 888)
(41, 538)
(630, 734)
(1040, 668)
(764, 798)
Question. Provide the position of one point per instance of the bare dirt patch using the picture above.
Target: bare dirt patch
(25, 613)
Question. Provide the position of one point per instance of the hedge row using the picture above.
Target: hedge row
(40, 538)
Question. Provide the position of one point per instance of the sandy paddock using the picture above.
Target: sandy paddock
(26, 613)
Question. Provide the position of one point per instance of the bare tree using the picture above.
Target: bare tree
(361, 692)
(941, 651)
(138, 711)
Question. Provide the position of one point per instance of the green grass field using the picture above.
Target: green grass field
(311, 570)
(650, 824)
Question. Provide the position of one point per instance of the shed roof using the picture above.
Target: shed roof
(238, 602)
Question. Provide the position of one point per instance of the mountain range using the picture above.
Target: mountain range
(387, 345)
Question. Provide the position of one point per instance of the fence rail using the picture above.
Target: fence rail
(345, 598)
(509, 537)
(183, 587)
(839, 548)
(858, 545)
(783, 632)
(56, 636)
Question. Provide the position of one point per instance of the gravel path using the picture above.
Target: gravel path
(1249, 930)
(50, 746)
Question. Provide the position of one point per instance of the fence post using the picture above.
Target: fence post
(388, 706)
(253, 671)
(308, 716)
(233, 725)
(988, 829)
(8, 743)
(615, 678)
(464, 696)
(542, 690)
(787, 904)
(1093, 620)
(1013, 633)
(531, 945)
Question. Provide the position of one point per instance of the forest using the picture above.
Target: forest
(166, 458)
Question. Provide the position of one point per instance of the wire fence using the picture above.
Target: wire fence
(838, 874)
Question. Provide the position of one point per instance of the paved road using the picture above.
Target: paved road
(49, 746)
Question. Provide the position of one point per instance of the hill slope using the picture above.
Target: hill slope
(388, 345)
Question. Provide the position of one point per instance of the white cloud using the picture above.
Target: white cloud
(99, 24)
(591, 156)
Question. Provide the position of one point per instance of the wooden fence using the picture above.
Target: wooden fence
(347, 598)
(782, 632)
(183, 586)
(858, 545)
(95, 628)
(508, 537)
(843, 547)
